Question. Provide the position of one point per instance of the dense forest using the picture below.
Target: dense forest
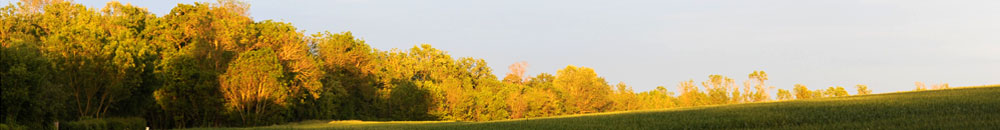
(210, 65)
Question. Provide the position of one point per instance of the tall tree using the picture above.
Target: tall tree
(586, 92)
(28, 95)
(303, 71)
(350, 65)
(761, 89)
(192, 57)
(101, 57)
(253, 86)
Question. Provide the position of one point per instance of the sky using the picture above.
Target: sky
(886, 44)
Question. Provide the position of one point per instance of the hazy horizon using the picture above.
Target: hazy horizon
(885, 44)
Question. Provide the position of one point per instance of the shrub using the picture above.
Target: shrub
(12, 127)
(132, 123)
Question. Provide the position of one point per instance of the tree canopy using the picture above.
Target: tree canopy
(209, 65)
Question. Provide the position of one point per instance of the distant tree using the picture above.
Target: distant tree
(920, 86)
(211, 65)
(658, 98)
(543, 98)
(586, 92)
(837, 91)
(718, 88)
(801, 92)
(784, 94)
(840, 91)
(690, 95)
(761, 89)
(863, 89)
(940, 86)
(820, 93)
(624, 98)
(517, 103)
(490, 101)
(542, 80)
(516, 74)
(737, 95)
(829, 92)
(748, 93)
(234, 6)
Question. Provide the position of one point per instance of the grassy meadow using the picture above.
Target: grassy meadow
(956, 108)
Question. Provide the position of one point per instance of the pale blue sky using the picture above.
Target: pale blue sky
(886, 44)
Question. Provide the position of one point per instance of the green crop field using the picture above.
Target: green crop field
(957, 108)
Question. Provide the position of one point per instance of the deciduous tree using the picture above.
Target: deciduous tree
(837, 91)
(784, 94)
(690, 95)
(863, 89)
(718, 88)
(920, 86)
(253, 86)
(801, 92)
(586, 92)
(761, 89)
(516, 74)
(624, 98)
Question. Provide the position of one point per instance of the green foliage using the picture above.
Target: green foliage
(12, 127)
(99, 56)
(347, 62)
(28, 95)
(189, 95)
(131, 123)
(253, 86)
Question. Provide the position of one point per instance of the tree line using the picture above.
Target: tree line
(209, 64)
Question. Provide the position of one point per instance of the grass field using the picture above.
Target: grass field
(957, 108)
